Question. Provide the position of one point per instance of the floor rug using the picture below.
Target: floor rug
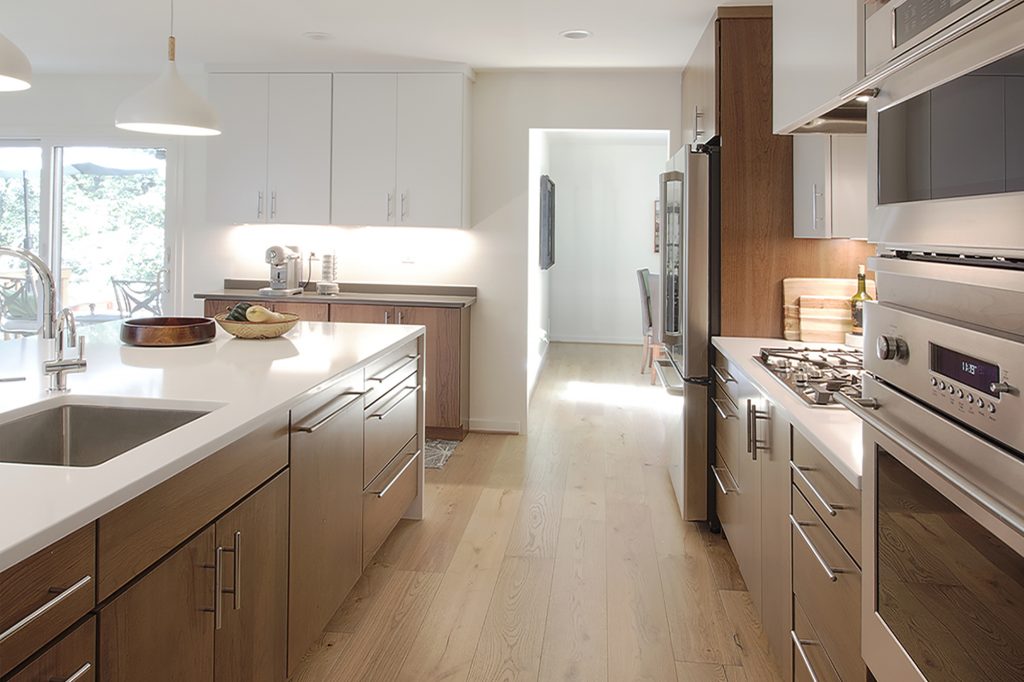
(438, 452)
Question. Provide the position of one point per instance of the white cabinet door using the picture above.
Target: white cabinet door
(237, 159)
(430, 149)
(811, 200)
(815, 55)
(849, 186)
(364, 153)
(299, 157)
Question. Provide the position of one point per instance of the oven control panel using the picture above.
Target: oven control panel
(970, 374)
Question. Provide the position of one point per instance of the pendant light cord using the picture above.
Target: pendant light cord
(170, 40)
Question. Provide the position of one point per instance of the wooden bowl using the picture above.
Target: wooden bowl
(167, 331)
(257, 330)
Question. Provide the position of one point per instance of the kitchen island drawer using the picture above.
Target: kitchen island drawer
(727, 428)
(389, 424)
(730, 380)
(826, 581)
(72, 657)
(811, 662)
(727, 494)
(44, 594)
(389, 496)
(389, 371)
(831, 495)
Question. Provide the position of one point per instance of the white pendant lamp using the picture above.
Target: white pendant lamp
(15, 69)
(168, 106)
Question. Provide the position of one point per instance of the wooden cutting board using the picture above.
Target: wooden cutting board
(793, 288)
(825, 319)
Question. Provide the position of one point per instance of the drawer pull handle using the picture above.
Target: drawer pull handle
(830, 508)
(723, 375)
(401, 471)
(218, 588)
(720, 408)
(355, 395)
(77, 675)
(44, 609)
(721, 485)
(803, 654)
(409, 390)
(389, 372)
(829, 570)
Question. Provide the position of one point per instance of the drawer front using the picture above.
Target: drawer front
(308, 312)
(388, 496)
(45, 594)
(728, 432)
(810, 662)
(389, 424)
(832, 606)
(727, 495)
(72, 657)
(388, 372)
(730, 380)
(831, 495)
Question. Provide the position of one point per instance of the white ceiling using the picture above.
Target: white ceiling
(127, 36)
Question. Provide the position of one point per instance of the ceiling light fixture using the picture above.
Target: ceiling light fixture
(15, 69)
(168, 106)
(576, 34)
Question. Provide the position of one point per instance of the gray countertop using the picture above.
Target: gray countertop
(384, 294)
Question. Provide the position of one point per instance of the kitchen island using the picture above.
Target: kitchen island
(146, 522)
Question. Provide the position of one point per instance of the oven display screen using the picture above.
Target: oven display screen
(965, 369)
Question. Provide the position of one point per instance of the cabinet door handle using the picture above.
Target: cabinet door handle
(44, 609)
(405, 205)
(259, 205)
(721, 485)
(399, 317)
(311, 428)
(798, 472)
(815, 194)
(394, 369)
(387, 317)
(218, 587)
(401, 471)
(830, 571)
(720, 408)
(408, 390)
(803, 654)
(390, 212)
(754, 445)
(273, 204)
(75, 676)
(236, 574)
(723, 375)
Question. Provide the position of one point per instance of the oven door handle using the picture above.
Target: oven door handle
(951, 477)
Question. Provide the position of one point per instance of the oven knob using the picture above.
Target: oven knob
(959, 393)
(970, 399)
(951, 390)
(935, 382)
(942, 385)
(891, 348)
(991, 408)
(981, 404)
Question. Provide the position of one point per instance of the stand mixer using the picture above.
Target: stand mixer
(285, 271)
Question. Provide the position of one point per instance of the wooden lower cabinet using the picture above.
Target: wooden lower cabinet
(326, 512)
(372, 314)
(309, 312)
(165, 626)
(161, 629)
(73, 656)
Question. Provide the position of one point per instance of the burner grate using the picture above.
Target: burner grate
(816, 374)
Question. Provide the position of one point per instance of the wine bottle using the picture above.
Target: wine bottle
(857, 302)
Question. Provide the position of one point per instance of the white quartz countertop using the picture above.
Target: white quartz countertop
(835, 432)
(240, 381)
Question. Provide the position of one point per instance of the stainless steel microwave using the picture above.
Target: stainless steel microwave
(946, 146)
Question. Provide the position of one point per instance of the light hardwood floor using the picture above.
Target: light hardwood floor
(558, 555)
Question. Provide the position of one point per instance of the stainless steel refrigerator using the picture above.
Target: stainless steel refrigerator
(689, 277)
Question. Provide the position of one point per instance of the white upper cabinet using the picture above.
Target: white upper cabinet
(237, 158)
(299, 155)
(273, 162)
(816, 54)
(830, 186)
(365, 112)
(400, 150)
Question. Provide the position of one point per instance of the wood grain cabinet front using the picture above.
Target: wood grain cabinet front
(388, 497)
(45, 594)
(72, 658)
(389, 424)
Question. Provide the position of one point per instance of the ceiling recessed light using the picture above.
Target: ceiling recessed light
(576, 34)
(317, 35)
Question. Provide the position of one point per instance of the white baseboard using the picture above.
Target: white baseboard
(597, 340)
(494, 426)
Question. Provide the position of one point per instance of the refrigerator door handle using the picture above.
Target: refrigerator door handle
(665, 369)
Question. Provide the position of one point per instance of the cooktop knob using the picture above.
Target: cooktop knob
(891, 348)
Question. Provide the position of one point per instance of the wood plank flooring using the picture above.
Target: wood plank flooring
(555, 555)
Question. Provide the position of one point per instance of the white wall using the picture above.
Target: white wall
(538, 317)
(606, 183)
(493, 255)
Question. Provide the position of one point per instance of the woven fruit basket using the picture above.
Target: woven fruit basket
(257, 330)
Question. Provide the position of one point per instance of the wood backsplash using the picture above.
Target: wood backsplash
(758, 248)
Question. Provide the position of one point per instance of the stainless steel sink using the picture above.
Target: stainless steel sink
(85, 435)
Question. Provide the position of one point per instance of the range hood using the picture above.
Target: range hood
(840, 116)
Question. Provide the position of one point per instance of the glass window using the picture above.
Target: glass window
(21, 173)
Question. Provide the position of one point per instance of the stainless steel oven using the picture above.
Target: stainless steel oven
(946, 138)
(943, 498)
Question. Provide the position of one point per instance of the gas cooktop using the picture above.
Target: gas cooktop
(816, 374)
